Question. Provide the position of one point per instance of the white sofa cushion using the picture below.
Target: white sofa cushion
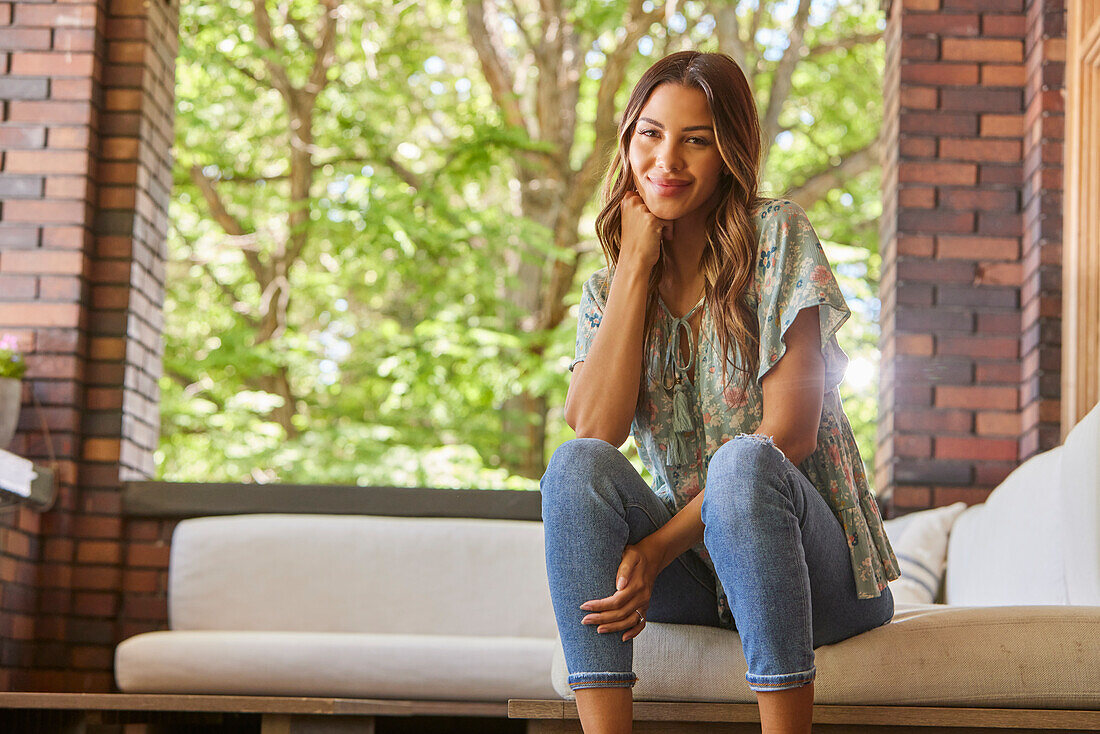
(1080, 509)
(351, 573)
(1019, 657)
(919, 540)
(1036, 539)
(336, 664)
(1009, 550)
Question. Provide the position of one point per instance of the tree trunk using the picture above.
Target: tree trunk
(523, 436)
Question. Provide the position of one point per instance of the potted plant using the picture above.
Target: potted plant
(12, 368)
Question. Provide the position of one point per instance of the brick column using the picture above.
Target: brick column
(85, 134)
(956, 254)
(1041, 287)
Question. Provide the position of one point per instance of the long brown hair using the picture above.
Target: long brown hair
(729, 255)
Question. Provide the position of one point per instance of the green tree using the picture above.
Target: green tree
(556, 72)
(384, 212)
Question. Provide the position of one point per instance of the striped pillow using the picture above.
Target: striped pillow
(920, 543)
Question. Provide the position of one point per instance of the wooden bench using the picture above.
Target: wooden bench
(560, 717)
(149, 713)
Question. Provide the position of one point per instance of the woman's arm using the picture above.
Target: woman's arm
(794, 390)
(603, 391)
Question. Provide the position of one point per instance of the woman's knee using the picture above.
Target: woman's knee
(744, 452)
(582, 453)
(577, 463)
(740, 473)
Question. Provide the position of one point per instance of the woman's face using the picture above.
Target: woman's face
(673, 155)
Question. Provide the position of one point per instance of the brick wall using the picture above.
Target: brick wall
(1041, 203)
(970, 234)
(49, 92)
(970, 298)
(85, 130)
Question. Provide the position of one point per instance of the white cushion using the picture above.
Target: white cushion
(1042, 657)
(1080, 509)
(919, 540)
(350, 573)
(1009, 550)
(336, 665)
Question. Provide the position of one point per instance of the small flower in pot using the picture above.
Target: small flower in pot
(11, 361)
(12, 369)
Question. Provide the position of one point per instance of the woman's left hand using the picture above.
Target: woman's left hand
(634, 580)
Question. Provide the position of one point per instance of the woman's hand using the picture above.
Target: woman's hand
(641, 234)
(634, 580)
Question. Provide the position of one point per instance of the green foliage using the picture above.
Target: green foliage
(399, 346)
(11, 361)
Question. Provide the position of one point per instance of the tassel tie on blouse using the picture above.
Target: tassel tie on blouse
(675, 369)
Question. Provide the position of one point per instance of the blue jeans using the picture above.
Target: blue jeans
(779, 551)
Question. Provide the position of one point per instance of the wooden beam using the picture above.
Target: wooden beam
(925, 717)
(315, 724)
(1081, 216)
(555, 726)
(247, 704)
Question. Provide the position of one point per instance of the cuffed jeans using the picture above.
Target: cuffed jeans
(779, 551)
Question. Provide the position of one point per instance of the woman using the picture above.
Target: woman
(710, 336)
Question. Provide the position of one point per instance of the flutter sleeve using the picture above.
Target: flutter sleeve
(792, 273)
(593, 299)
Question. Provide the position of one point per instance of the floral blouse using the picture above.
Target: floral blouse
(792, 273)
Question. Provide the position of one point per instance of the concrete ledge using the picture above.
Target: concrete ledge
(199, 499)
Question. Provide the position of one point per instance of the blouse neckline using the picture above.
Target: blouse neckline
(675, 369)
(686, 316)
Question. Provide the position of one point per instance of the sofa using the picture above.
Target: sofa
(458, 609)
(350, 606)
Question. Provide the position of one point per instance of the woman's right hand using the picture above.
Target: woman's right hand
(641, 235)
(634, 580)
